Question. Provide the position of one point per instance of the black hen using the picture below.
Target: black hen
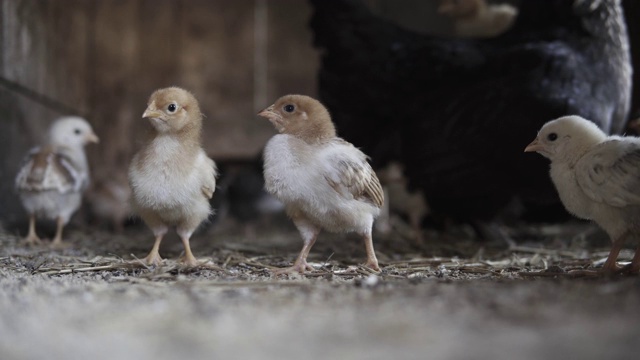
(459, 112)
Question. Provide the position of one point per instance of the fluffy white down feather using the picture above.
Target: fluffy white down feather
(172, 194)
(302, 176)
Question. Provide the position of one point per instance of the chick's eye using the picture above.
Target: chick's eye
(172, 107)
(289, 108)
(552, 137)
(77, 131)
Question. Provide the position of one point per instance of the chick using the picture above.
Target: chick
(400, 200)
(52, 178)
(171, 177)
(323, 181)
(477, 19)
(108, 200)
(597, 177)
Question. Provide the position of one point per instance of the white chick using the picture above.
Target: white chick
(597, 177)
(477, 19)
(323, 181)
(171, 177)
(53, 177)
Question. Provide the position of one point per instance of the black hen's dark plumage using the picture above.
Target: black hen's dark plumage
(459, 112)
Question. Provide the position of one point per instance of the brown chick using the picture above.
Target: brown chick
(323, 181)
(171, 177)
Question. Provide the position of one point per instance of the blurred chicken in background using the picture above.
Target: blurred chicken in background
(477, 19)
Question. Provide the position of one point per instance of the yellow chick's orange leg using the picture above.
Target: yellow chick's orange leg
(32, 238)
(372, 261)
(188, 258)
(309, 235)
(57, 239)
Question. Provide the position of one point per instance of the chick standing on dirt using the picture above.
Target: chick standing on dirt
(171, 177)
(597, 177)
(324, 181)
(51, 180)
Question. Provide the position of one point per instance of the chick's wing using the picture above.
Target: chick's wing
(610, 173)
(349, 173)
(46, 169)
(209, 178)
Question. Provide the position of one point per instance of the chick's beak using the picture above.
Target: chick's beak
(534, 146)
(268, 113)
(92, 138)
(151, 113)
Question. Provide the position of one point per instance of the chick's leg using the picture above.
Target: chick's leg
(188, 258)
(635, 263)
(57, 239)
(309, 233)
(610, 265)
(372, 261)
(32, 238)
(154, 256)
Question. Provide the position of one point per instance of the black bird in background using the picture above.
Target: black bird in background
(459, 112)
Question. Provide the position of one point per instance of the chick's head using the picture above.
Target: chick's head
(566, 138)
(72, 131)
(173, 110)
(300, 116)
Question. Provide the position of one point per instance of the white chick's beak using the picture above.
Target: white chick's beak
(272, 116)
(534, 146)
(92, 138)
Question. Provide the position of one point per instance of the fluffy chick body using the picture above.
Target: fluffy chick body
(52, 179)
(297, 173)
(323, 181)
(171, 177)
(597, 177)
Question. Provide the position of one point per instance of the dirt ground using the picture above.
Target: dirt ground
(452, 298)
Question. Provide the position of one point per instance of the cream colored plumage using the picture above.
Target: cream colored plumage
(51, 180)
(597, 177)
(324, 181)
(171, 177)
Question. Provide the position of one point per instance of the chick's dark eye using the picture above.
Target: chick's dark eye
(289, 108)
(552, 137)
(172, 107)
(77, 131)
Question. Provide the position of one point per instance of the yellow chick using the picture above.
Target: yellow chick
(171, 177)
(52, 179)
(323, 181)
